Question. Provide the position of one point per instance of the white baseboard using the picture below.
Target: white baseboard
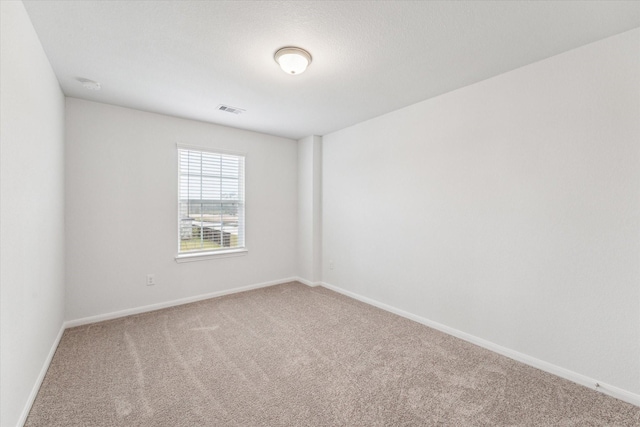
(308, 282)
(607, 389)
(575, 377)
(172, 303)
(128, 312)
(38, 383)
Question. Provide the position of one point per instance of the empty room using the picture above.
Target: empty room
(319, 213)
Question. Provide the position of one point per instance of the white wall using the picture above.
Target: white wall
(309, 209)
(121, 210)
(31, 211)
(509, 210)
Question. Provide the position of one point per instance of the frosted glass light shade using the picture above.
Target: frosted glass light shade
(293, 60)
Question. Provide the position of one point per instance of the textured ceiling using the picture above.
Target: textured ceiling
(184, 58)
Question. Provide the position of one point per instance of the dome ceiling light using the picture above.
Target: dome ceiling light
(89, 84)
(293, 60)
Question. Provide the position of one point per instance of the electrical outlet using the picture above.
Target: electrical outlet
(331, 265)
(151, 279)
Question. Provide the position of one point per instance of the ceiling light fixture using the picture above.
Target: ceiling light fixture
(293, 60)
(89, 84)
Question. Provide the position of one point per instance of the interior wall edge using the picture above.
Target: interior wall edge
(308, 282)
(36, 386)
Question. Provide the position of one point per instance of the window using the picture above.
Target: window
(210, 201)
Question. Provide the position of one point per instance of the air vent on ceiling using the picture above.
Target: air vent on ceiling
(228, 109)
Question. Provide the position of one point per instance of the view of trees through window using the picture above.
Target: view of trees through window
(211, 201)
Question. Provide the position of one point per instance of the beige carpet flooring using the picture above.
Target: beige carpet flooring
(290, 355)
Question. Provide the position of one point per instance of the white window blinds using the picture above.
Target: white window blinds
(210, 201)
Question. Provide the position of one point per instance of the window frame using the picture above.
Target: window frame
(200, 255)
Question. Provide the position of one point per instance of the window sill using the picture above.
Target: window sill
(203, 256)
